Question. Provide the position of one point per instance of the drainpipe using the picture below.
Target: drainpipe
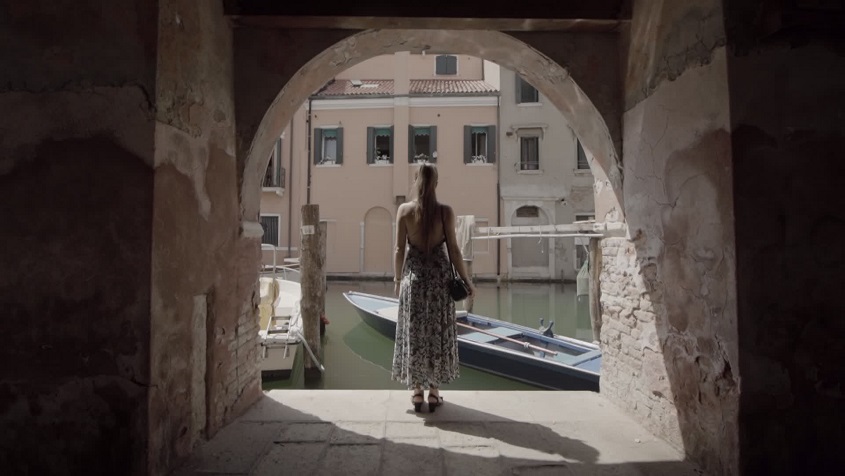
(499, 184)
(290, 188)
(308, 122)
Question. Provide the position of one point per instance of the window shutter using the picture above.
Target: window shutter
(391, 144)
(491, 144)
(440, 64)
(371, 145)
(451, 65)
(518, 84)
(339, 146)
(582, 162)
(318, 145)
(410, 144)
(467, 144)
(432, 143)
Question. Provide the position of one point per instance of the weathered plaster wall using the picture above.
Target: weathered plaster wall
(668, 288)
(787, 117)
(276, 70)
(204, 313)
(75, 230)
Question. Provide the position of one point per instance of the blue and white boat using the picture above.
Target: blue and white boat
(510, 350)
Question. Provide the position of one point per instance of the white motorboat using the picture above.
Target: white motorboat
(280, 329)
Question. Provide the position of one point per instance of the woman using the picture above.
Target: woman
(426, 349)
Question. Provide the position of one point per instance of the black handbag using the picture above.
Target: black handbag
(458, 289)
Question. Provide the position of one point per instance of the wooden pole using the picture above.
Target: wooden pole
(595, 289)
(313, 290)
(322, 237)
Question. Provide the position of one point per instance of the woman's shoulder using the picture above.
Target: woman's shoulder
(447, 210)
(405, 209)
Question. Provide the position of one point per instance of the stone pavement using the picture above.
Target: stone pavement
(363, 432)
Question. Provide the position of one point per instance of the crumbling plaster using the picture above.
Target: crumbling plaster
(269, 71)
(668, 288)
(203, 272)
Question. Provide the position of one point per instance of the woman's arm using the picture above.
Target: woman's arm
(454, 251)
(401, 238)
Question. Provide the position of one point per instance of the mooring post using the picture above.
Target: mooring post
(595, 288)
(322, 236)
(312, 285)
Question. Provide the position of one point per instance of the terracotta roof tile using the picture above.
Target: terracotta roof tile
(451, 86)
(384, 87)
(368, 87)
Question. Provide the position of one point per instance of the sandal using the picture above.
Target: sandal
(434, 401)
(417, 404)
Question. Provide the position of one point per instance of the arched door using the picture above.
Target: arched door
(529, 256)
(378, 241)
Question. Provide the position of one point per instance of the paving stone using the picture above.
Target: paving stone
(291, 458)
(475, 460)
(567, 433)
(302, 432)
(236, 448)
(351, 460)
(414, 456)
(359, 433)
(409, 430)
(463, 434)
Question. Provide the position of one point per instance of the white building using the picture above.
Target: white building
(544, 179)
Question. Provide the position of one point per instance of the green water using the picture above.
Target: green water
(356, 356)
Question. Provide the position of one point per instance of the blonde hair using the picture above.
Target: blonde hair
(425, 211)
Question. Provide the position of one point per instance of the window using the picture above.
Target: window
(270, 224)
(328, 146)
(446, 64)
(525, 93)
(528, 211)
(274, 176)
(380, 145)
(479, 144)
(422, 144)
(582, 163)
(529, 153)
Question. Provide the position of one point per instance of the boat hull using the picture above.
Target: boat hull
(513, 365)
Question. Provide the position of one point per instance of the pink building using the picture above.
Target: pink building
(354, 148)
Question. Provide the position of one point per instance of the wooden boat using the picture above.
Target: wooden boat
(510, 350)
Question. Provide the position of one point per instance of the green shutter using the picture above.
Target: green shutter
(410, 144)
(432, 143)
(440, 64)
(391, 144)
(318, 145)
(339, 145)
(467, 144)
(491, 144)
(451, 64)
(371, 145)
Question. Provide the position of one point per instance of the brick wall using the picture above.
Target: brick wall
(633, 369)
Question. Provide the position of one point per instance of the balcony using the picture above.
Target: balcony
(274, 180)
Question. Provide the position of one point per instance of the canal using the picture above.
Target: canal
(358, 357)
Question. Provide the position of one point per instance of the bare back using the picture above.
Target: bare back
(416, 236)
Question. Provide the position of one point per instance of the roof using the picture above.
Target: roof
(384, 87)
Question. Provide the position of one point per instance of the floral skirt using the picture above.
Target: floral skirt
(426, 347)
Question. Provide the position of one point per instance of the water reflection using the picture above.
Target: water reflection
(357, 357)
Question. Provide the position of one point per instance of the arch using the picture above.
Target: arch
(378, 240)
(548, 76)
